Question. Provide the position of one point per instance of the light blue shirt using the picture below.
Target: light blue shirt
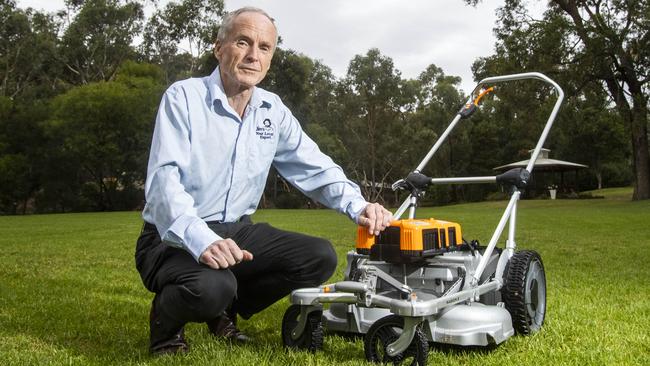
(208, 164)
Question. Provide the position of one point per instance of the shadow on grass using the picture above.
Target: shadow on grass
(456, 350)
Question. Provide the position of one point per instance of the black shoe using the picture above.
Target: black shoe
(226, 326)
(163, 339)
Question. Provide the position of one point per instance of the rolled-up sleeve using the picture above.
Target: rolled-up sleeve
(169, 206)
(299, 160)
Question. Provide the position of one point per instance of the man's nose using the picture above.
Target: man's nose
(253, 53)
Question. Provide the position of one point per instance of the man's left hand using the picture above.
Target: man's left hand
(375, 217)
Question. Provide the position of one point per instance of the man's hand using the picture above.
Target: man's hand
(223, 254)
(375, 217)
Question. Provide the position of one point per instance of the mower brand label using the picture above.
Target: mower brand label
(420, 223)
(452, 300)
(265, 130)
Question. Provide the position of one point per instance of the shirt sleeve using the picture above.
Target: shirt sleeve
(169, 206)
(299, 160)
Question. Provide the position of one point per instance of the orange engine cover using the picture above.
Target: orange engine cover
(410, 239)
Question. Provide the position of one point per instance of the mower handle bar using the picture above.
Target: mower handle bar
(500, 79)
(518, 177)
(464, 180)
(492, 80)
(551, 118)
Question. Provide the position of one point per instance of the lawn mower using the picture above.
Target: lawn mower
(419, 281)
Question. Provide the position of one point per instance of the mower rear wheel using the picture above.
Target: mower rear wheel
(311, 338)
(524, 291)
(386, 331)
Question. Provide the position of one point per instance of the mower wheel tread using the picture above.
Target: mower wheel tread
(385, 331)
(312, 337)
(514, 292)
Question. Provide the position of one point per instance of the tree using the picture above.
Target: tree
(22, 149)
(371, 122)
(321, 117)
(106, 128)
(189, 27)
(27, 77)
(99, 38)
(289, 77)
(14, 182)
(606, 42)
(592, 132)
(438, 102)
(27, 46)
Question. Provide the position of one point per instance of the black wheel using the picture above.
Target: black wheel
(524, 291)
(386, 331)
(312, 338)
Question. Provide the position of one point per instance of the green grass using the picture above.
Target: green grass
(69, 292)
(620, 193)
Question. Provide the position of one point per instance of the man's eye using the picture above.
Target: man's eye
(242, 42)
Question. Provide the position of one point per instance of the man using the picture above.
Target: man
(214, 142)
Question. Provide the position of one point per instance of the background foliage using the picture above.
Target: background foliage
(79, 90)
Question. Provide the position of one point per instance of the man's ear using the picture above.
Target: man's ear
(217, 47)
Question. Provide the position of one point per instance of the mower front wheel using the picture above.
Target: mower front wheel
(386, 331)
(524, 291)
(311, 338)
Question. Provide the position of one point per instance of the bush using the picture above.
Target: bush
(497, 196)
(583, 196)
(291, 200)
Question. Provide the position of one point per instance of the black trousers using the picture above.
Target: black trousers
(193, 292)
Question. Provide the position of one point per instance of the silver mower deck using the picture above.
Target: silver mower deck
(437, 292)
(438, 283)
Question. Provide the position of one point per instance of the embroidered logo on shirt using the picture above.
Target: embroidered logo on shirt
(265, 130)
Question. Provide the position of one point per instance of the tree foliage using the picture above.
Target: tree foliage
(371, 96)
(188, 26)
(106, 127)
(98, 38)
(588, 44)
(78, 100)
(27, 46)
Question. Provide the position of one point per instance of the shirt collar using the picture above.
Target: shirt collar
(215, 87)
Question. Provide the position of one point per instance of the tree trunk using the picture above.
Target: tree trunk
(641, 158)
(635, 113)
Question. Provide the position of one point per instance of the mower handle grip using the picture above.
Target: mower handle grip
(518, 177)
(418, 181)
(468, 109)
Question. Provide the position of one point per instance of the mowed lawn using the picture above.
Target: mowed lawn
(69, 292)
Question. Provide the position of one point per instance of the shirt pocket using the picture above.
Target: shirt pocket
(261, 153)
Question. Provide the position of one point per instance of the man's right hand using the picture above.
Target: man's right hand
(223, 254)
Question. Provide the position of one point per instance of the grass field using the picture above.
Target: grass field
(70, 295)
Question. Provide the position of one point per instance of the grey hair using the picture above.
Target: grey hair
(229, 19)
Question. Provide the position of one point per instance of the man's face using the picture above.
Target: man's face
(245, 55)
